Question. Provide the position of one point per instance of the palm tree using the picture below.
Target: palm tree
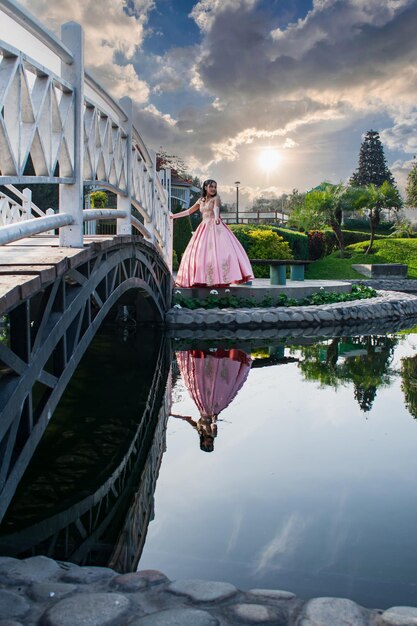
(374, 199)
(332, 201)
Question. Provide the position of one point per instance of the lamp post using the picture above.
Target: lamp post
(237, 183)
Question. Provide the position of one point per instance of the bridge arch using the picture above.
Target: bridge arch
(51, 328)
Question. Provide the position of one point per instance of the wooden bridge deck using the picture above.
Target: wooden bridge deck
(28, 264)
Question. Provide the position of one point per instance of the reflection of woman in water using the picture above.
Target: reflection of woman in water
(213, 378)
(206, 428)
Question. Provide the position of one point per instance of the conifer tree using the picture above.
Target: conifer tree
(411, 188)
(372, 167)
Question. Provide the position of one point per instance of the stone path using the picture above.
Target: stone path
(40, 591)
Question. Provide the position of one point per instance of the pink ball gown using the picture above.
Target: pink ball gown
(213, 379)
(213, 257)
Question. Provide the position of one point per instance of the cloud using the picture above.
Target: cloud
(205, 12)
(285, 542)
(400, 170)
(340, 50)
(113, 31)
(403, 134)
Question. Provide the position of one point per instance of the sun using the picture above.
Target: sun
(269, 159)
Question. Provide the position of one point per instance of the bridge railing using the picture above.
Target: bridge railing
(58, 125)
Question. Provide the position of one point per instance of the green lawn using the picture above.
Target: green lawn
(385, 251)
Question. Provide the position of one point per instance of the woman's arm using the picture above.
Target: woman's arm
(217, 203)
(186, 418)
(192, 209)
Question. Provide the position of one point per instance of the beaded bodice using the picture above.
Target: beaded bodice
(207, 209)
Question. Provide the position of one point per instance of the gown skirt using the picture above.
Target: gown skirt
(213, 258)
(213, 379)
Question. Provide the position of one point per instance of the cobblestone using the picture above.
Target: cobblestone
(149, 598)
(41, 592)
(12, 605)
(93, 609)
(399, 616)
(34, 569)
(152, 576)
(177, 617)
(332, 611)
(202, 590)
(87, 575)
(258, 614)
(276, 594)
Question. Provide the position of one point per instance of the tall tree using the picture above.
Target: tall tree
(372, 167)
(411, 189)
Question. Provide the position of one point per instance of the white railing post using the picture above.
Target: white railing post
(27, 203)
(169, 249)
(71, 196)
(151, 226)
(124, 225)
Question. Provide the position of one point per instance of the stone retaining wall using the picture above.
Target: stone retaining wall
(40, 591)
(388, 305)
(389, 284)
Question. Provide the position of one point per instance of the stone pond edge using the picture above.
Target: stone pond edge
(44, 592)
(392, 305)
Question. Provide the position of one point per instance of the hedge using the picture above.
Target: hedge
(265, 244)
(349, 236)
(382, 228)
(182, 234)
(298, 241)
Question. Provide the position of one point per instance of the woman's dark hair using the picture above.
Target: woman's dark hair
(206, 443)
(205, 185)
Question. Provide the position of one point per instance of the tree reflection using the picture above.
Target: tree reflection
(364, 361)
(409, 383)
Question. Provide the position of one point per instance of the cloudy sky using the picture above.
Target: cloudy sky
(218, 82)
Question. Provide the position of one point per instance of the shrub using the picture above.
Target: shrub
(175, 264)
(298, 242)
(265, 244)
(316, 247)
(98, 199)
(241, 233)
(182, 234)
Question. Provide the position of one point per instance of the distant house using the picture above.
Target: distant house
(179, 189)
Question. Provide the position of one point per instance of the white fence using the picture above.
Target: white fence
(56, 120)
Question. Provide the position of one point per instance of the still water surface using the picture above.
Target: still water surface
(310, 484)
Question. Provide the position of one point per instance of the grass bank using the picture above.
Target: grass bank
(385, 251)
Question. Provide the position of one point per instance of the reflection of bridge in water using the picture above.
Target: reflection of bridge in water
(91, 478)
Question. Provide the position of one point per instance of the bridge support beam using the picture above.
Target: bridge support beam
(124, 226)
(71, 196)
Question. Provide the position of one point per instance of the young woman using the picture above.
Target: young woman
(213, 257)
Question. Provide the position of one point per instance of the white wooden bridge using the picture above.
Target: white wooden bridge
(59, 126)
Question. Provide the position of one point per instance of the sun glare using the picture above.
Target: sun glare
(269, 159)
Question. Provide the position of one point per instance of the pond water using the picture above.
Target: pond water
(305, 481)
